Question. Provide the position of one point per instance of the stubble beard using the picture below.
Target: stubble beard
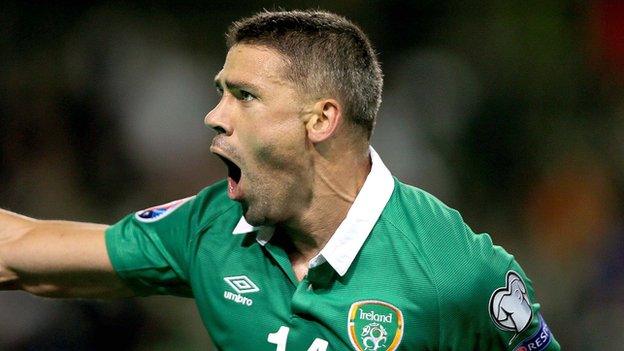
(274, 201)
(280, 188)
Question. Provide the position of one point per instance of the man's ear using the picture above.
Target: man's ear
(324, 120)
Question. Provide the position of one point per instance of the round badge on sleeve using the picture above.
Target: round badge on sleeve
(510, 308)
(159, 212)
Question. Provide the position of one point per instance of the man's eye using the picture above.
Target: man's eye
(219, 91)
(246, 96)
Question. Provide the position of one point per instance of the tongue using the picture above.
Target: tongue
(234, 189)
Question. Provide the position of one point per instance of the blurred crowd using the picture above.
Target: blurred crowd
(513, 113)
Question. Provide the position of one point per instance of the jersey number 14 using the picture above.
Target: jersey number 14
(280, 337)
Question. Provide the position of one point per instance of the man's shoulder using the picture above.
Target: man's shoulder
(189, 214)
(416, 211)
(440, 232)
(212, 203)
(415, 196)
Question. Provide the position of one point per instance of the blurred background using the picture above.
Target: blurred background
(511, 112)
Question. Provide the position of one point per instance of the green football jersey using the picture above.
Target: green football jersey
(402, 272)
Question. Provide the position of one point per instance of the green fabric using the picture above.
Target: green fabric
(420, 258)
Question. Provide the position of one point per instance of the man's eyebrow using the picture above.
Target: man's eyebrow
(229, 84)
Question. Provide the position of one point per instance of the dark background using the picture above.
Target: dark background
(510, 111)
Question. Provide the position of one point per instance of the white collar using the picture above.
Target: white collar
(344, 245)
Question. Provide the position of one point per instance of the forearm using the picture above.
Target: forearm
(56, 258)
(12, 228)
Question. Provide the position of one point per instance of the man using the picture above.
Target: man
(310, 243)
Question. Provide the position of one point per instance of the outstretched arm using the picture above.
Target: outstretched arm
(56, 258)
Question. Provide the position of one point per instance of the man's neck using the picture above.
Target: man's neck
(337, 181)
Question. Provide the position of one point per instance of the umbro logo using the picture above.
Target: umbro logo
(242, 285)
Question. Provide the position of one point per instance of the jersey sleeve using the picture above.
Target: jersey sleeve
(494, 307)
(149, 249)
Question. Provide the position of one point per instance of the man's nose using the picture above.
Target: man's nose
(218, 120)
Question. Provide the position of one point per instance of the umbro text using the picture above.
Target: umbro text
(237, 298)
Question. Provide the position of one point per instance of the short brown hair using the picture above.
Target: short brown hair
(326, 54)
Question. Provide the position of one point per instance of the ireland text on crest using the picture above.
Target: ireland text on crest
(375, 326)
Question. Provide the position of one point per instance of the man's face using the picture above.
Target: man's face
(261, 135)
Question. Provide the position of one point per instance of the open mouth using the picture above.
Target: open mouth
(233, 178)
(234, 171)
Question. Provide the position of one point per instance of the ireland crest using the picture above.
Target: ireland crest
(375, 326)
